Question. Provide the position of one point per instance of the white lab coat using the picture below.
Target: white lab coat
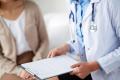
(103, 45)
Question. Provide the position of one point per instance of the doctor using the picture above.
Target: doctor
(97, 41)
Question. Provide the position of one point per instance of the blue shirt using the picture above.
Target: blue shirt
(77, 16)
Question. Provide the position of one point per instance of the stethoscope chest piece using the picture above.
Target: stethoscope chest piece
(93, 27)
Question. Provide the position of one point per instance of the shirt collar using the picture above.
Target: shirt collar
(79, 1)
(84, 2)
(95, 1)
(91, 1)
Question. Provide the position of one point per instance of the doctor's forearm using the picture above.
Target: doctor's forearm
(65, 48)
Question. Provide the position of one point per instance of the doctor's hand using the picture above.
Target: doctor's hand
(26, 76)
(83, 69)
(59, 51)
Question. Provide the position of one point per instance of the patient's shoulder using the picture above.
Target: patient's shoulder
(31, 5)
(33, 9)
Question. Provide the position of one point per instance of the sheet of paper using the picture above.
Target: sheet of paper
(50, 67)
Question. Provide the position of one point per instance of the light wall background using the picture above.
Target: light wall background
(49, 6)
(56, 13)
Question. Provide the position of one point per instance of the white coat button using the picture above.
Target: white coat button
(88, 49)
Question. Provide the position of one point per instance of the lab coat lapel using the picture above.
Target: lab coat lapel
(89, 9)
(88, 12)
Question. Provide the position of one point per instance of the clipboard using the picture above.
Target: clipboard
(50, 67)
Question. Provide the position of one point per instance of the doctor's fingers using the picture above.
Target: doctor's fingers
(52, 53)
(76, 65)
(75, 71)
(49, 54)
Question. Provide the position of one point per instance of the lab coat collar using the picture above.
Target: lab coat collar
(95, 1)
(89, 9)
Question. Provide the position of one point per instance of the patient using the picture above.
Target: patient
(23, 36)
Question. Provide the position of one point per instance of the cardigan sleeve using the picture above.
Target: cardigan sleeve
(43, 36)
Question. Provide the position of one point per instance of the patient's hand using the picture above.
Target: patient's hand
(26, 76)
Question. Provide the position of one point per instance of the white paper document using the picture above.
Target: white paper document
(50, 67)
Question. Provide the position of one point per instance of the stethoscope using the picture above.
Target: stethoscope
(93, 26)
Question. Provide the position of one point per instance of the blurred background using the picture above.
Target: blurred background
(56, 13)
(51, 6)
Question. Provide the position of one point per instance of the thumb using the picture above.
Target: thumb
(76, 65)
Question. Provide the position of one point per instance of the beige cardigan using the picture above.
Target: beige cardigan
(35, 34)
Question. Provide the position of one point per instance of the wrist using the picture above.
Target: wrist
(93, 66)
(64, 48)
